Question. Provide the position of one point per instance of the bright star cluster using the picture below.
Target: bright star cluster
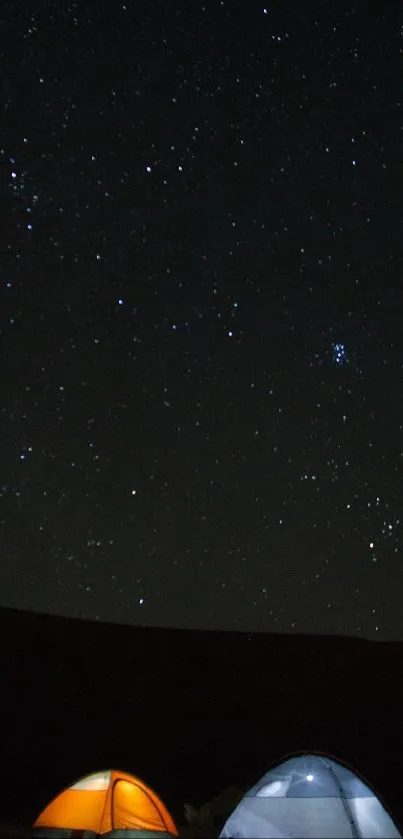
(200, 316)
(339, 354)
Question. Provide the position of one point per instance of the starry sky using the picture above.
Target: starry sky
(200, 314)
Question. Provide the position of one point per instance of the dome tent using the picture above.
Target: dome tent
(108, 803)
(310, 795)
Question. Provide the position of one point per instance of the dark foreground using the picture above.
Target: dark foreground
(190, 713)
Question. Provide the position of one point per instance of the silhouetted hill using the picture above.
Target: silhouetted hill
(190, 712)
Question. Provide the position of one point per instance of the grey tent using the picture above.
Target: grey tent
(310, 796)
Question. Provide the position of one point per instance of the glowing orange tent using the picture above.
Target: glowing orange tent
(108, 803)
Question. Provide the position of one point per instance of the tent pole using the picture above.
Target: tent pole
(344, 801)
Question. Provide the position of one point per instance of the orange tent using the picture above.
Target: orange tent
(108, 802)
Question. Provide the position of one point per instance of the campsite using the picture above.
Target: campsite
(201, 447)
(198, 717)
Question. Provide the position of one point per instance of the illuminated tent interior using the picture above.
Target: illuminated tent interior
(107, 804)
(310, 796)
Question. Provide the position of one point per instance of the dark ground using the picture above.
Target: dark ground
(189, 712)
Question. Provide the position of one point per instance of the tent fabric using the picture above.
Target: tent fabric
(57, 833)
(106, 802)
(310, 796)
(134, 834)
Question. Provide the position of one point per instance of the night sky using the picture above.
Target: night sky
(201, 293)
